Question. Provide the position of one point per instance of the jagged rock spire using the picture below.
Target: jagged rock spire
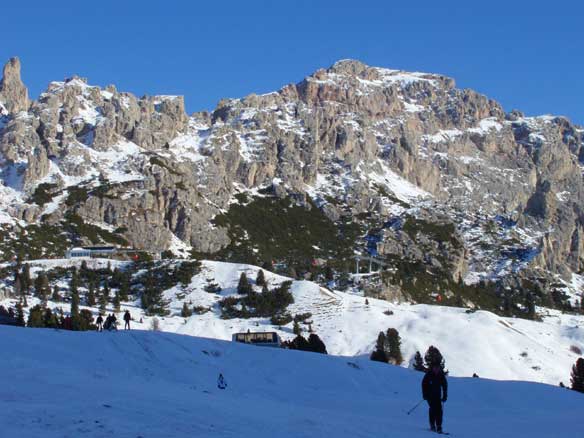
(13, 93)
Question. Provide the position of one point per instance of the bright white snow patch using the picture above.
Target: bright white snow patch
(443, 135)
(402, 188)
(486, 125)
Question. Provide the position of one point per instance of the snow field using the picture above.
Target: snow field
(153, 384)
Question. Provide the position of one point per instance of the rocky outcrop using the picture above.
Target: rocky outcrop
(13, 93)
(492, 194)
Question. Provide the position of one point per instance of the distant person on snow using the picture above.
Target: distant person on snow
(221, 383)
(99, 322)
(127, 319)
(110, 323)
(435, 392)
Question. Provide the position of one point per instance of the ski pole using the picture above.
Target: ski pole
(414, 408)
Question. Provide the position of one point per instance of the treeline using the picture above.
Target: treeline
(105, 287)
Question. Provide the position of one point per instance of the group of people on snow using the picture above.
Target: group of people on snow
(111, 322)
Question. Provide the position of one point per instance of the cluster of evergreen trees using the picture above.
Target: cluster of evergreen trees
(268, 303)
(313, 343)
(44, 317)
(432, 358)
(153, 301)
(97, 284)
(16, 314)
(156, 281)
(388, 348)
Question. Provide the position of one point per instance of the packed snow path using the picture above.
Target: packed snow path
(153, 384)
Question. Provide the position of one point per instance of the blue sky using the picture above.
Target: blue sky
(525, 54)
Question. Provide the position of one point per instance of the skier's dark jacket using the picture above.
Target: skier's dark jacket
(434, 386)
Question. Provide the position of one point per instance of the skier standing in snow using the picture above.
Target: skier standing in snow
(435, 392)
(99, 322)
(127, 319)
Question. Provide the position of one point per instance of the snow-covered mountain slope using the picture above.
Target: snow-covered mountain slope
(155, 385)
(401, 165)
(476, 342)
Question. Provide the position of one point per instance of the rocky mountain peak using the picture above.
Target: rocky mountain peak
(431, 174)
(13, 93)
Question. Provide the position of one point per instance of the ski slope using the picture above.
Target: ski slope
(154, 384)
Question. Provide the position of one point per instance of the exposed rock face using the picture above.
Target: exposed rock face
(13, 93)
(490, 193)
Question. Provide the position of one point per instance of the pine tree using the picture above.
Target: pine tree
(42, 287)
(25, 278)
(394, 343)
(23, 299)
(152, 298)
(379, 354)
(124, 287)
(56, 297)
(20, 315)
(74, 283)
(76, 323)
(419, 362)
(116, 302)
(50, 319)
(103, 299)
(35, 317)
(186, 311)
(90, 295)
(18, 288)
(74, 303)
(243, 288)
(86, 320)
(577, 377)
(261, 278)
(296, 329)
(106, 289)
(433, 358)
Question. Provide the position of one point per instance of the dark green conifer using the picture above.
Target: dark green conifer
(35, 317)
(261, 278)
(419, 362)
(433, 358)
(577, 377)
(186, 311)
(243, 287)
